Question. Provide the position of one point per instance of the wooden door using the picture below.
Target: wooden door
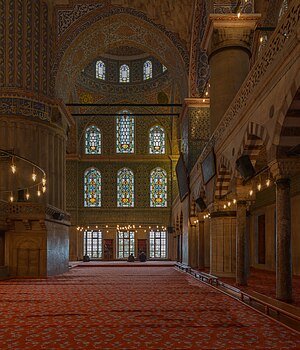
(108, 251)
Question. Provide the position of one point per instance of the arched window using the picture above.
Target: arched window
(125, 188)
(158, 188)
(92, 188)
(147, 70)
(124, 74)
(92, 140)
(125, 132)
(157, 143)
(100, 70)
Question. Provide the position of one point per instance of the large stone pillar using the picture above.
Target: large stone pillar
(282, 170)
(283, 241)
(193, 242)
(228, 41)
(222, 242)
(201, 248)
(35, 127)
(241, 243)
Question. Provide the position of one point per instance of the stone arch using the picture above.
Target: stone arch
(109, 32)
(254, 142)
(287, 126)
(224, 174)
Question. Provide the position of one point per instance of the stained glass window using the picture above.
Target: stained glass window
(92, 188)
(92, 140)
(125, 188)
(158, 244)
(100, 70)
(125, 241)
(124, 74)
(93, 243)
(157, 143)
(147, 70)
(164, 68)
(125, 133)
(158, 188)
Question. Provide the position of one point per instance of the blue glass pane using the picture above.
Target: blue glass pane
(100, 70)
(158, 188)
(157, 143)
(125, 188)
(124, 74)
(125, 133)
(147, 70)
(92, 140)
(92, 188)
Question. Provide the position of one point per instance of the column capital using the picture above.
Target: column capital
(227, 30)
(284, 168)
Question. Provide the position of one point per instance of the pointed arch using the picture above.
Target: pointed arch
(92, 188)
(158, 188)
(223, 178)
(125, 188)
(93, 140)
(157, 140)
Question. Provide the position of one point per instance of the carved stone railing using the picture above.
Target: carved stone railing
(279, 44)
(32, 211)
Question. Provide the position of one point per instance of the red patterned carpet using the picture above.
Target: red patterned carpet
(130, 308)
(264, 282)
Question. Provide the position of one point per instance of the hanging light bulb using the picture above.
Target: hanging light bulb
(13, 168)
(44, 181)
(33, 176)
(251, 192)
(259, 187)
(268, 181)
(234, 201)
(44, 189)
(229, 204)
(225, 206)
(239, 15)
(38, 192)
(11, 198)
(27, 195)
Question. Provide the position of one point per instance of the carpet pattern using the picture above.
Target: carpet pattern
(264, 282)
(130, 308)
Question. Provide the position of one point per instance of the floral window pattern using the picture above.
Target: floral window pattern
(124, 74)
(158, 188)
(125, 133)
(147, 70)
(125, 188)
(157, 143)
(92, 188)
(100, 70)
(92, 140)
